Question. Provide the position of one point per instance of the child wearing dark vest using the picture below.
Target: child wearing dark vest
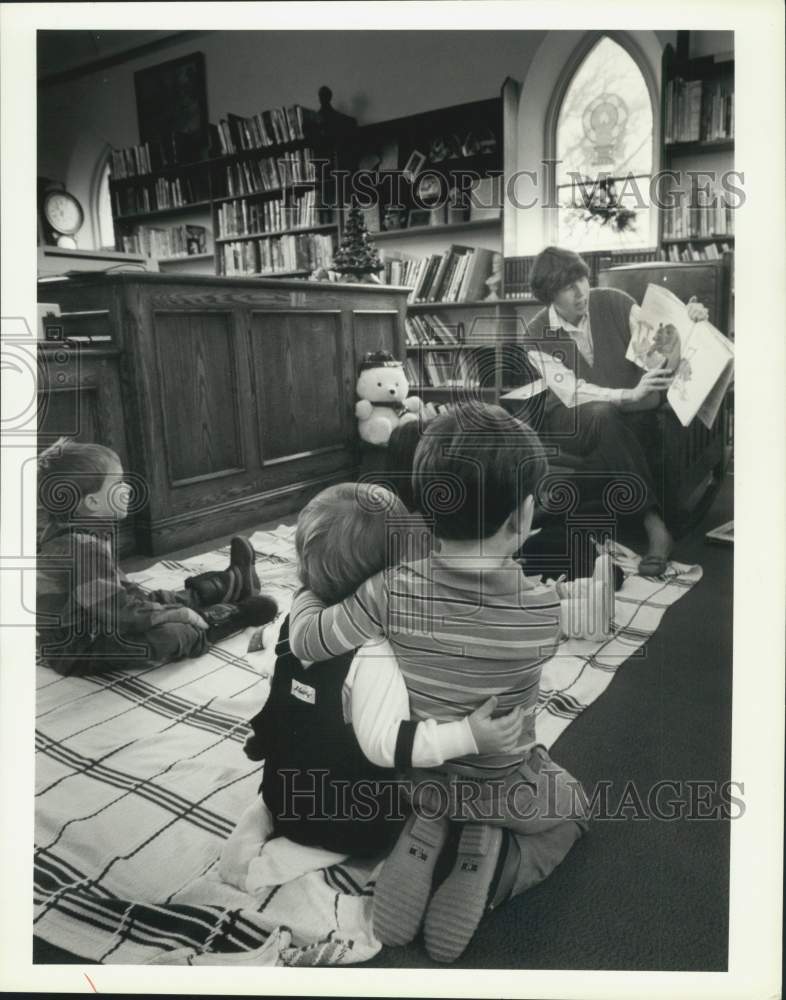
(465, 624)
(330, 739)
(90, 617)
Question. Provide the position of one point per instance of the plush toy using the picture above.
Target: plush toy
(384, 403)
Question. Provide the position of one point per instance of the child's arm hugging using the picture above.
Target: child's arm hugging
(380, 705)
(318, 632)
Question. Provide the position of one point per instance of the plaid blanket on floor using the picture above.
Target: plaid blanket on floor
(141, 777)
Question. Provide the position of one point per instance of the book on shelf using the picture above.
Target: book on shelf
(700, 356)
(425, 329)
(270, 173)
(457, 275)
(275, 254)
(699, 110)
(179, 148)
(399, 269)
(444, 369)
(688, 252)
(517, 272)
(175, 241)
(411, 372)
(275, 127)
(153, 196)
(245, 218)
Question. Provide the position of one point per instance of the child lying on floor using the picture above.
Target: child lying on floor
(345, 726)
(90, 617)
(464, 624)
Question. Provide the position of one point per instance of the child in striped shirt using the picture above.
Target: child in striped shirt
(464, 623)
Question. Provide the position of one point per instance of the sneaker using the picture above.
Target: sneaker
(404, 884)
(458, 905)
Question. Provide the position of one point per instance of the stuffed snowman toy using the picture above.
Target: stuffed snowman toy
(384, 403)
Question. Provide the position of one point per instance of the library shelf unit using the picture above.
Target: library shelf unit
(697, 126)
(238, 204)
(421, 168)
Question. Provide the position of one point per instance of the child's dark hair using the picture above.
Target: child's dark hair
(68, 471)
(553, 270)
(399, 460)
(473, 467)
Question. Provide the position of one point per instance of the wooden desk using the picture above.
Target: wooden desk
(232, 397)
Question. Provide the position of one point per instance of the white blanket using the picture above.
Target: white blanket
(141, 779)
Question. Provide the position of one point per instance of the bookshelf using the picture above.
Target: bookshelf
(697, 126)
(436, 217)
(257, 197)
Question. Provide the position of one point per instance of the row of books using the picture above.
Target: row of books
(518, 269)
(698, 221)
(699, 110)
(398, 269)
(709, 251)
(244, 218)
(267, 128)
(136, 161)
(457, 275)
(161, 194)
(176, 241)
(428, 328)
(271, 173)
(275, 254)
(442, 369)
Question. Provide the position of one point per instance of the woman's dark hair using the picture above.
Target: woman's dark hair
(553, 270)
(399, 460)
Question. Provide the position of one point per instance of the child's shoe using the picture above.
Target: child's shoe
(224, 620)
(404, 884)
(236, 583)
(466, 894)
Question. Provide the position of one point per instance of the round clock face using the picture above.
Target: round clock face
(63, 212)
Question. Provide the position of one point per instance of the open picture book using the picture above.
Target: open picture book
(701, 358)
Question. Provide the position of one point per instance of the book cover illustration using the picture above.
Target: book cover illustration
(701, 358)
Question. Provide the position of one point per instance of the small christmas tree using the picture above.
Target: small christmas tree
(357, 256)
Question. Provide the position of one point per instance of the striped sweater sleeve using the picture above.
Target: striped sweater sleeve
(318, 632)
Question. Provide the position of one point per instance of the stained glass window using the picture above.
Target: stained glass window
(605, 151)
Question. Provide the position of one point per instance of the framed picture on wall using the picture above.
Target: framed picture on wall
(171, 99)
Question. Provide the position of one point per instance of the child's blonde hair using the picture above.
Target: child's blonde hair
(68, 471)
(342, 538)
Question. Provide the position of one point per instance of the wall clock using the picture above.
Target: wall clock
(64, 216)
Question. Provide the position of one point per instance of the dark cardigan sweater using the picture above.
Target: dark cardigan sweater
(609, 312)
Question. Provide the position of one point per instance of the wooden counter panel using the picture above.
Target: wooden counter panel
(296, 366)
(376, 330)
(197, 374)
(232, 398)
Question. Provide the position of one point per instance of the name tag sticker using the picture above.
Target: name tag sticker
(304, 692)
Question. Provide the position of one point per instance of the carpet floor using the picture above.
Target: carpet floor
(636, 893)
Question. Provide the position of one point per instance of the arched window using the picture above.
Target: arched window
(103, 224)
(603, 142)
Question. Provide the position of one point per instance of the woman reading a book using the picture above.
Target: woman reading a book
(599, 403)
